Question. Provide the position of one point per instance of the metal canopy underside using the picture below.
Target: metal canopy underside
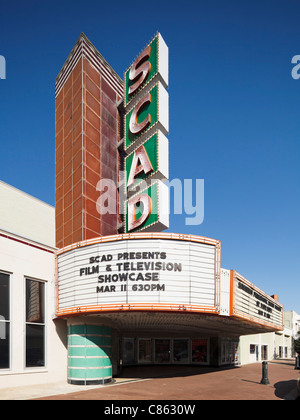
(184, 324)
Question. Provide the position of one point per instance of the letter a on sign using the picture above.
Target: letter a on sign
(140, 156)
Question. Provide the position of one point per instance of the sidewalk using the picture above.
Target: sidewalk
(177, 383)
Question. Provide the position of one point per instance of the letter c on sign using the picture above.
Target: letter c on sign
(134, 126)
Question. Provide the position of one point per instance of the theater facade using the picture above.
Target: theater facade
(113, 290)
(154, 298)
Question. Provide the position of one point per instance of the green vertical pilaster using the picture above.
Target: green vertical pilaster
(89, 354)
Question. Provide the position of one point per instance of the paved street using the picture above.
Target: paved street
(194, 383)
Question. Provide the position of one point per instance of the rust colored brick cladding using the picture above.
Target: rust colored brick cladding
(87, 133)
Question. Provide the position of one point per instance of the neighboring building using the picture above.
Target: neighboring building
(32, 346)
(292, 320)
(271, 346)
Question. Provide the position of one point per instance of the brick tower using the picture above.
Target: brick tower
(87, 91)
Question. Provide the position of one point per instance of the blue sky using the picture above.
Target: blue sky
(234, 112)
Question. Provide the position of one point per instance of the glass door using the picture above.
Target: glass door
(128, 351)
(145, 353)
(162, 351)
(199, 351)
(264, 352)
(180, 351)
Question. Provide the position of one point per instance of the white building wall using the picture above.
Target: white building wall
(292, 320)
(272, 340)
(284, 344)
(27, 240)
(26, 216)
(23, 261)
(257, 340)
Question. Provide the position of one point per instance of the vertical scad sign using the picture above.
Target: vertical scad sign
(146, 146)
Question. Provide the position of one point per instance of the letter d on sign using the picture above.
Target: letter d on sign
(146, 201)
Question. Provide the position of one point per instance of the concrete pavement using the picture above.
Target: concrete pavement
(177, 383)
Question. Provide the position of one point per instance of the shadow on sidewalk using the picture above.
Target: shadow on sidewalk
(160, 371)
(287, 362)
(283, 388)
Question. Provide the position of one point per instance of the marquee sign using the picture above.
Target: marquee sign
(146, 124)
(141, 272)
(253, 304)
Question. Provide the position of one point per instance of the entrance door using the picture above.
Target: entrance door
(144, 351)
(264, 352)
(128, 351)
(162, 351)
(181, 351)
(253, 353)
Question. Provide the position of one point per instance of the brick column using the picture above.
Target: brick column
(87, 133)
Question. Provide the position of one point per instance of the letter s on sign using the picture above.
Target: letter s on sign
(141, 69)
(295, 60)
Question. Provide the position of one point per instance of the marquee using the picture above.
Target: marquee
(140, 272)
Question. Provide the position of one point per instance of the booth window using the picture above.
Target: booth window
(4, 321)
(35, 323)
(199, 351)
(145, 351)
(162, 351)
(181, 351)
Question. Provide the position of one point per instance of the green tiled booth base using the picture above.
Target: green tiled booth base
(89, 354)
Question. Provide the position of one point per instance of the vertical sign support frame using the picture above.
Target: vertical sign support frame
(146, 147)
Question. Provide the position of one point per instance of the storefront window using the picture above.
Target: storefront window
(162, 351)
(230, 354)
(224, 352)
(4, 321)
(236, 352)
(199, 351)
(128, 351)
(35, 323)
(145, 353)
(180, 351)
